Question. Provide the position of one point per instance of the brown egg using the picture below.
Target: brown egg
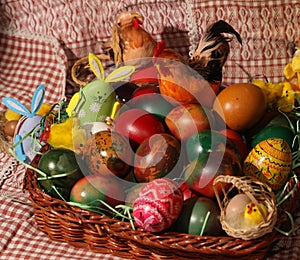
(9, 127)
(241, 105)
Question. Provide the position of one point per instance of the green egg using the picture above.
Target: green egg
(274, 131)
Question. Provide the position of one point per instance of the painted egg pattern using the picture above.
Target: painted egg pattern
(270, 161)
(108, 152)
(156, 157)
(158, 205)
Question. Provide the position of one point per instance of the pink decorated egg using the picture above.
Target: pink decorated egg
(158, 205)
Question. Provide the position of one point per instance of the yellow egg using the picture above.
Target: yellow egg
(270, 161)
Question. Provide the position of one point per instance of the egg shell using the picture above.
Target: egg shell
(158, 205)
(200, 216)
(237, 204)
(241, 105)
(270, 161)
(55, 162)
(156, 157)
(107, 152)
(9, 127)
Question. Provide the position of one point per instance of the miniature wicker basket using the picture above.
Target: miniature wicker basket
(66, 223)
(80, 72)
(257, 192)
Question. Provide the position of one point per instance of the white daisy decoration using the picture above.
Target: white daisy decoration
(94, 107)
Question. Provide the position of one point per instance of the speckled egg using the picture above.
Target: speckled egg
(270, 161)
(108, 152)
(156, 157)
(158, 205)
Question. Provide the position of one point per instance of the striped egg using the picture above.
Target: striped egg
(270, 161)
(158, 205)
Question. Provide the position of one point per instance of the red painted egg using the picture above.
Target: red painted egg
(156, 157)
(185, 120)
(137, 125)
(108, 152)
(158, 205)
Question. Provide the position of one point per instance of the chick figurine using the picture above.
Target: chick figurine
(252, 215)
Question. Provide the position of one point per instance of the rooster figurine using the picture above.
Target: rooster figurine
(129, 40)
(198, 82)
(212, 51)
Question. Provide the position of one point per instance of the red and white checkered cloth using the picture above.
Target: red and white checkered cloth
(40, 40)
(28, 61)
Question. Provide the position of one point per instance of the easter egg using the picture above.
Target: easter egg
(206, 141)
(237, 205)
(91, 190)
(270, 161)
(144, 90)
(94, 103)
(153, 103)
(9, 127)
(241, 105)
(200, 216)
(62, 167)
(158, 205)
(199, 174)
(124, 91)
(137, 125)
(107, 152)
(156, 157)
(274, 131)
(185, 120)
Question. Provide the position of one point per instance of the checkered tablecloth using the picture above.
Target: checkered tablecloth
(40, 40)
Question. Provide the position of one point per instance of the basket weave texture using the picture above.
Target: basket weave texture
(256, 191)
(79, 227)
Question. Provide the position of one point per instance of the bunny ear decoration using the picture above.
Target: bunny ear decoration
(120, 74)
(37, 99)
(16, 106)
(19, 108)
(96, 66)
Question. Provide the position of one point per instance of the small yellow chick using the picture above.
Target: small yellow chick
(252, 215)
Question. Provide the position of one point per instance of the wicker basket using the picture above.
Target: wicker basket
(80, 71)
(78, 227)
(255, 191)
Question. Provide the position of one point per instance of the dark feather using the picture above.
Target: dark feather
(213, 49)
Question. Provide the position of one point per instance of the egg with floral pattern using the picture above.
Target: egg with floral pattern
(158, 205)
(270, 161)
(108, 152)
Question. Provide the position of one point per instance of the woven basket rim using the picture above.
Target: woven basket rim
(167, 243)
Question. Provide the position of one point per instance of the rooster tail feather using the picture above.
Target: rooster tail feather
(222, 27)
(213, 39)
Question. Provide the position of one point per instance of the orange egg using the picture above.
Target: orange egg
(9, 127)
(241, 105)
